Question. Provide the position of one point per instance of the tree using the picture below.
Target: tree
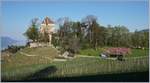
(43, 37)
(136, 39)
(108, 35)
(121, 36)
(88, 21)
(140, 39)
(146, 39)
(117, 36)
(95, 33)
(32, 31)
(55, 39)
(101, 35)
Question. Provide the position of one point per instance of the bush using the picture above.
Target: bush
(14, 49)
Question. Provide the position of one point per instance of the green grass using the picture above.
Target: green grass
(134, 52)
(77, 67)
(44, 55)
(92, 66)
(21, 67)
(20, 72)
(139, 52)
(92, 52)
(44, 51)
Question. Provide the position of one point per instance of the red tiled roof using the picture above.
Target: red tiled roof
(47, 21)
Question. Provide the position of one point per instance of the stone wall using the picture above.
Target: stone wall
(37, 44)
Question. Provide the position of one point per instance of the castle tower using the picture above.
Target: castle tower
(48, 27)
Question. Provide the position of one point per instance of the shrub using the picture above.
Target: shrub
(14, 49)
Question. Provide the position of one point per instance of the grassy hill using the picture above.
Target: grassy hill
(39, 55)
(41, 67)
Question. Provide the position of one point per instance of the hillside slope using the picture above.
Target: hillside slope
(40, 55)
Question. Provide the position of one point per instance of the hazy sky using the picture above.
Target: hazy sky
(16, 16)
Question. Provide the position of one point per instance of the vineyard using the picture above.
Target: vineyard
(31, 68)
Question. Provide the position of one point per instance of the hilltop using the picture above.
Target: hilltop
(28, 56)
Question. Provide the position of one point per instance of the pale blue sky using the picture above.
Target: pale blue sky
(16, 16)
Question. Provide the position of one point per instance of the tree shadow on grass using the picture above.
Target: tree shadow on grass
(123, 77)
(42, 76)
(42, 73)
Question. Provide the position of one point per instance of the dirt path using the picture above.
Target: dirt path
(43, 57)
(27, 54)
(87, 56)
(59, 60)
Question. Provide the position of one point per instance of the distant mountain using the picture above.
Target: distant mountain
(144, 30)
(5, 41)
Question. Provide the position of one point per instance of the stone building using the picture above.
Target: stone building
(47, 26)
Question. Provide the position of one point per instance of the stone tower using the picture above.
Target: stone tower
(48, 27)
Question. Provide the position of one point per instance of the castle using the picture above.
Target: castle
(47, 26)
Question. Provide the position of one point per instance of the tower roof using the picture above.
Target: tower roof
(47, 21)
